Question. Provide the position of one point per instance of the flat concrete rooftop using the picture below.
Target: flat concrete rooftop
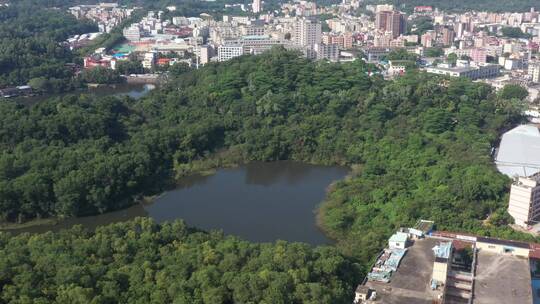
(502, 279)
(411, 282)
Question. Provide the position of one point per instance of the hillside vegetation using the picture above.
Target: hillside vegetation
(142, 262)
(419, 146)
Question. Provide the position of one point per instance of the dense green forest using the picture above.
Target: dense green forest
(30, 45)
(466, 5)
(142, 262)
(421, 144)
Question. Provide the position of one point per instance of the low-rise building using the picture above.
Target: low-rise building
(479, 71)
(398, 240)
(227, 52)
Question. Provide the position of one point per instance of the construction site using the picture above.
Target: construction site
(424, 266)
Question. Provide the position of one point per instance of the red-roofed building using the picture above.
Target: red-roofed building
(163, 61)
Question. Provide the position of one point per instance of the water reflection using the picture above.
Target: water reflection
(292, 173)
(260, 202)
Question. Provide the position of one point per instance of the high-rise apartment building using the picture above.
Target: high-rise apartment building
(427, 39)
(448, 36)
(524, 204)
(534, 71)
(256, 6)
(307, 32)
(390, 21)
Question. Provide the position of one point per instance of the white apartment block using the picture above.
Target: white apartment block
(227, 52)
(257, 6)
(149, 60)
(132, 33)
(307, 32)
(534, 72)
(524, 203)
(326, 51)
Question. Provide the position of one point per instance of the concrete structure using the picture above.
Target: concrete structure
(427, 39)
(498, 246)
(472, 72)
(410, 282)
(205, 53)
(442, 254)
(256, 6)
(132, 33)
(519, 151)
(448, 36)
(227, 52)
(149, 60)
(396, 67)
(390, 21)
(326, 52)
(398, 240)
(449, 268)
(307, 32)
(362, 293)
(374, 54)
(534, 72)
(524, 202)
(502, 279)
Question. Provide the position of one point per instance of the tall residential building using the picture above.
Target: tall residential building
(534, 72)
(390, 21)
(448, 36)
(205, 52)
(307, 32)
(149, 60)
(257, 6)
(478, 55)
(427, 39)
(524, 204)
(326, 51)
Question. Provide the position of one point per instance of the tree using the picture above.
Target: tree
(513, 32)
(452, 59)
(101, 75)
(434, 52)
(511, 91)
(129, 67)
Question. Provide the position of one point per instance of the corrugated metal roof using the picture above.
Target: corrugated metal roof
(519, 147)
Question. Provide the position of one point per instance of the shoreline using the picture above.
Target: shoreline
(204, 170)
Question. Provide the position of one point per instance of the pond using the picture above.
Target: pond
(259, 202)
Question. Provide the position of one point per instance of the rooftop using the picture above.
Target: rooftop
(519, 147)
(442, 250)
(398, 237)
(410, 283)
(502, 279)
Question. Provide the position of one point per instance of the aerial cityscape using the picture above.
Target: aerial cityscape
(270, 151)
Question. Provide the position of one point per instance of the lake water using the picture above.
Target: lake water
(260, 202)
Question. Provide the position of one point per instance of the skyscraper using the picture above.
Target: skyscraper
(390, 21)
(257, 6)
